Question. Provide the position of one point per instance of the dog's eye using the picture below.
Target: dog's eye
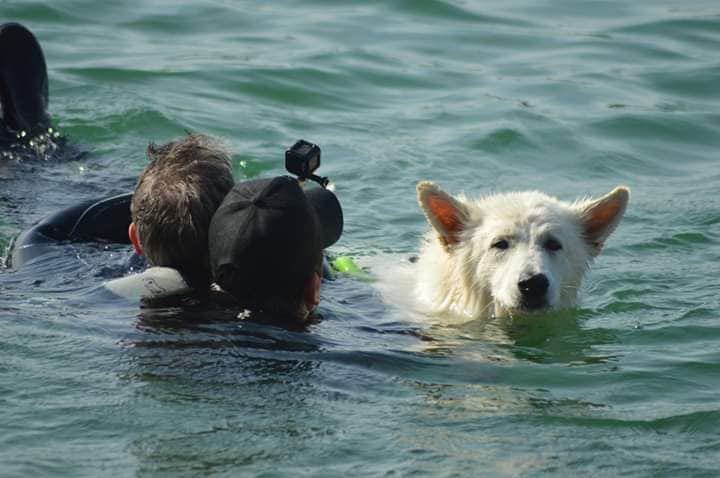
(553, 245)
(502, 244)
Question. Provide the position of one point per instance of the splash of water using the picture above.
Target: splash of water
(40, 144)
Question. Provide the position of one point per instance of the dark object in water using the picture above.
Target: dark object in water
(104, 220)
(23, 83)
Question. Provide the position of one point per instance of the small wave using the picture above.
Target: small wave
(675, 242)
(437, 9)
(503, 139)
(704, 421)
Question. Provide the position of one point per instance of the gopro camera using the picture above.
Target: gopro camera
(302, 160)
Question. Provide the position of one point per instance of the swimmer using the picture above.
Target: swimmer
(264, 248)
(174, 200)
(266, 245)
(166, 220)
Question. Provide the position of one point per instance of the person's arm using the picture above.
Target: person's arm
(104, 220)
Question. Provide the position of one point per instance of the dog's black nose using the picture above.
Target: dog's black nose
(534, 291)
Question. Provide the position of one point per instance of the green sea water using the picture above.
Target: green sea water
(568, 97)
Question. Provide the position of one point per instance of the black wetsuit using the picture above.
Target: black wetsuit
(23, 84)
(104, 220)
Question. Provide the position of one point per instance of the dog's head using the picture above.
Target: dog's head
(520, 252)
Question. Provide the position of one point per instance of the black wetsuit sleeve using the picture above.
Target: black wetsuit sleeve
(104, 220)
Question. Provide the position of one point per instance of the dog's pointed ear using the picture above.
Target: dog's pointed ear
(600, 217)
(446, 214)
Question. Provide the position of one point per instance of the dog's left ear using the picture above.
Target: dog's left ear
(445, 213)
(600, 217)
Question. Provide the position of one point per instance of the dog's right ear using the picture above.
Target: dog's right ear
(600, 217)
(444, 213)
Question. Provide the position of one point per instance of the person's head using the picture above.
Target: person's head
(174, 200)
(266, 241)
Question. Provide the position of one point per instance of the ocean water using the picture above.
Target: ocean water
(568, 97)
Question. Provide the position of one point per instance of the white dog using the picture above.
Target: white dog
(509, 253)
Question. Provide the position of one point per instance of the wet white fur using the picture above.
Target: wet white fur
(472, 278)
